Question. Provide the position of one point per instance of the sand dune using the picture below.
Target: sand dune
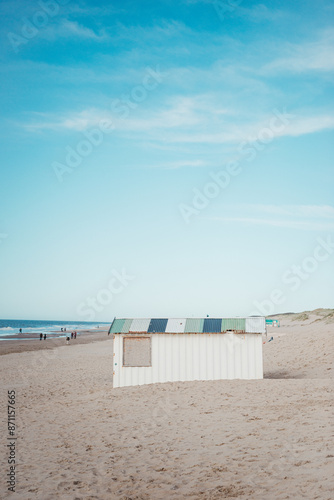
(78, 438)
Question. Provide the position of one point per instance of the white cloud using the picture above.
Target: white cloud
(95, 10)
(190, 125)
(308, 125)
(304, 225)
(177, 113)
(322, 211)
(172, 165)
(237, 8)
(304, 217)
(261, 12)
(317, 55)
(72, 29)
(186, 120)
(78, 122)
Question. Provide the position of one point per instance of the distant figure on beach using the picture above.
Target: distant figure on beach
(20, 330)
(40, 336)
(64, 329)
(72, 335)
(61, 330)
(44, 336)
(67, 340)
(75, 335)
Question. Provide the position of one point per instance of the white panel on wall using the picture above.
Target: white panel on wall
(256, 325)
(175, 325)
(140, 325)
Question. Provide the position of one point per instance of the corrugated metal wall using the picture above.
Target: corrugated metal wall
(186, 357)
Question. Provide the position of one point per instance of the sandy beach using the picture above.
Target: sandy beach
(31, 342)
(78, 438)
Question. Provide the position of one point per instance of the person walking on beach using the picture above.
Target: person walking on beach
(44, 336)
(75, 335)
(40, 336)
(67, 340)
(20, 330)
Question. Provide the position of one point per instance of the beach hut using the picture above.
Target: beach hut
(272, 322)
(147, 351)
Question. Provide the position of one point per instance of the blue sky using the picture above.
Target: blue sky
(117, 120)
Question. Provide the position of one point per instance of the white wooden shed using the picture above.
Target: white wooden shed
(148, 351)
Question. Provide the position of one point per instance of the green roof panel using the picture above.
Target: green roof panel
(194, 325)
(117, 326)
(235, 324)
(126, 326)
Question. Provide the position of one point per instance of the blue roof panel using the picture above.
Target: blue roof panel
(212, 325)
(157, 325)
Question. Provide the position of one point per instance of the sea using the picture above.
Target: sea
(12, 326)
